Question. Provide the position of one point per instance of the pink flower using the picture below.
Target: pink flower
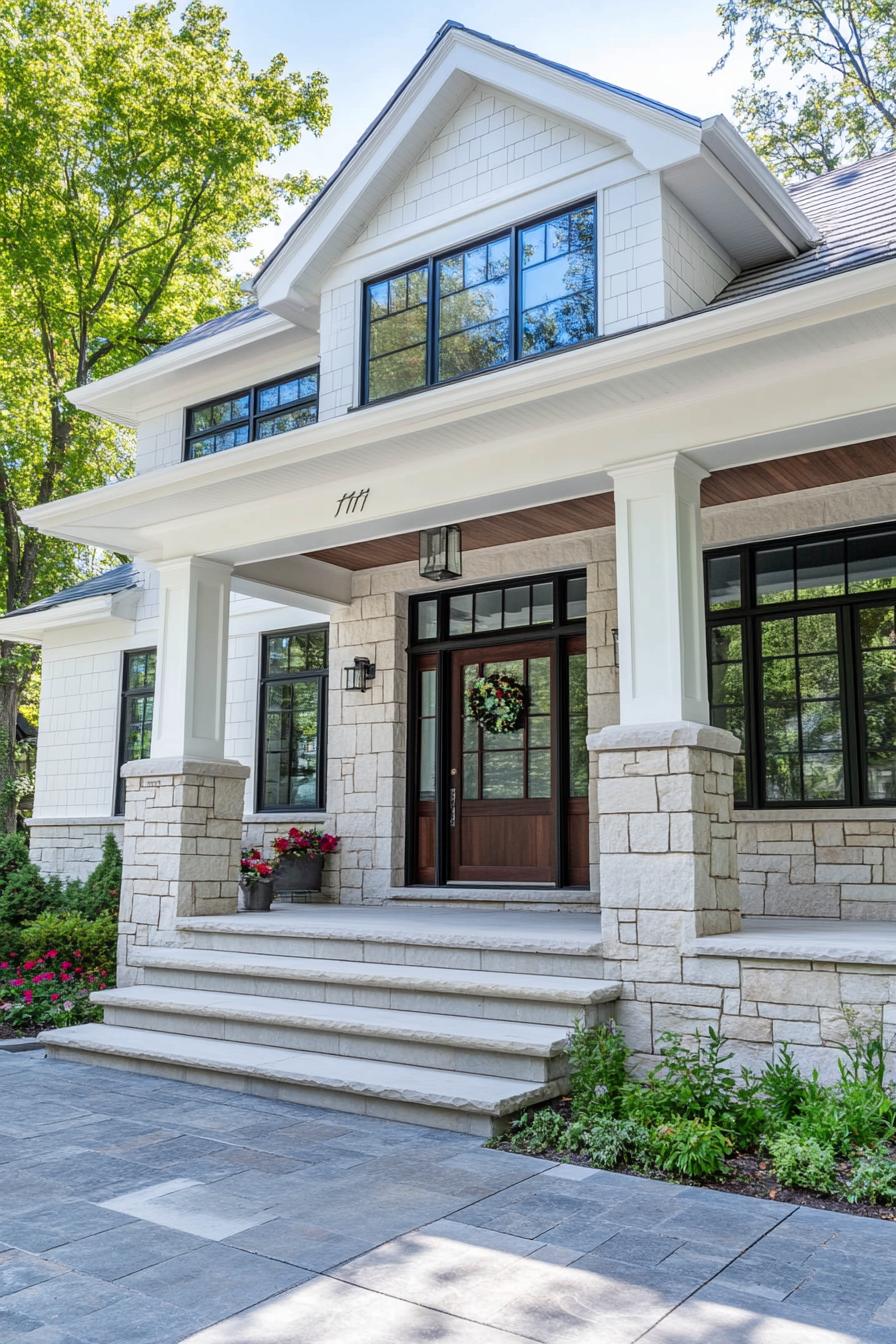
(4, 965)
(54, 997)
(14, 984)
(54, 953)
(28, 996)
(68, 1005)
(28, 965)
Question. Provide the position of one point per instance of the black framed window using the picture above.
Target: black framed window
(545, 603)
(292, 717)
(138, 684)
(802, 667)
(255, 413)
(522, 292)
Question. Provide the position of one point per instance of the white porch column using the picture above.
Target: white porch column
(665, 776)
(191, 663)
(183, 806)
(662, 636)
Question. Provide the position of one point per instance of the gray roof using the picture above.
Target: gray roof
(111, 581)
(239, 318)
(854, 208)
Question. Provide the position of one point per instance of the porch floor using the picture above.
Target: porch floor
(863, 941)
(511, 930)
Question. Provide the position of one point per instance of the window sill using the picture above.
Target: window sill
(289, 818)
(884, 812)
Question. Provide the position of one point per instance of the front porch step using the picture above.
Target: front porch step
(522, 1050)
(404, 938)
(470, 1102)
(531, 900)
(511, 996)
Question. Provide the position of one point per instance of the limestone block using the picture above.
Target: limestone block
(747, 1028)
(627, 795)
(815, 988)
(712, 970)
(613, 834)
(649, 832)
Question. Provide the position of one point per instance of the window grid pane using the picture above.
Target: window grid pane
(820, 684)
(259, 413)
(397, 317)
(293, 692)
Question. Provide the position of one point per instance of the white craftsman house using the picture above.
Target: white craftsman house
(654, 390)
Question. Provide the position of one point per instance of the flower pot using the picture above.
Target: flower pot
(258, 895)
(296, 873)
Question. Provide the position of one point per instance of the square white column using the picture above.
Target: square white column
(659, 570)
(191, 663)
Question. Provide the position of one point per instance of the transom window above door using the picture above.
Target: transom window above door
(505, 608)
(802, 667)
(526, 291)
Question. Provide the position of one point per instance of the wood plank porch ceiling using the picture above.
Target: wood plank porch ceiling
(804, 471)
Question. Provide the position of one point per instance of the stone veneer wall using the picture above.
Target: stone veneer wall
(73, 848)
(827, 865)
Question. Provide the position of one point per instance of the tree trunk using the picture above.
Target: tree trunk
(9, 708)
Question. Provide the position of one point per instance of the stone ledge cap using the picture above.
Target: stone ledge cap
(647, 736)
(184, 765)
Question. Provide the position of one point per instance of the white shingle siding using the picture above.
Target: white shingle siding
(160, 441)
(489, 142)
(696, 266)
(630, 261)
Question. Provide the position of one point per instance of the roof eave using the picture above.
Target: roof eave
(115, 612)
(730, 148)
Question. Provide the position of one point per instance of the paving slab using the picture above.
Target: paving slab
(218, 1218)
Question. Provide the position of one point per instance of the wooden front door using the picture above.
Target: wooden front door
(502, 787)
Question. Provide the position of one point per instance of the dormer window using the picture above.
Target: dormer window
(523, 292)
(256, 413)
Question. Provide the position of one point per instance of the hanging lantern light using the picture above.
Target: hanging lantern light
(440, 553)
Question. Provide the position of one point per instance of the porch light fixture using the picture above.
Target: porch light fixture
(615, 633)
(359, 675)
(440, 554)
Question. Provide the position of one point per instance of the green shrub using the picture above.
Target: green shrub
(99, 894)
(23, 895)
(802, 1161)
(609, 1142)
(597, 1057)
(782, 1086)
(873, 1179)
(10, 943)
(694, 1082)
(90, 943)
(691, 1147)
(538, 1131)
(13, 855)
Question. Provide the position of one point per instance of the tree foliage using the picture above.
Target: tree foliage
(135, 158)
(839, 63)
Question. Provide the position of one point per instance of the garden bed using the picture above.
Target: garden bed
(777, 1134)
(746, 1174)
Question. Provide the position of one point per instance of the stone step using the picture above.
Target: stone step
(540, 900)
(470, 1102)
(568, 944)
(519, 996)
(521, 1050)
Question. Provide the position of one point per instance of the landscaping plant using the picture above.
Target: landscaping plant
(694, 1118)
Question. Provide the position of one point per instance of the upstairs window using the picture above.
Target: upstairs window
(802, 667)
(526, 291)
(257, 413)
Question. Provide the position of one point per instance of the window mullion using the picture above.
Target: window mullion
(852, 708)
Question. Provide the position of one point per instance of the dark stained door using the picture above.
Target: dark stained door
(502, 787)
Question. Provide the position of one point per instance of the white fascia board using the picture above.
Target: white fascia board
(140, 507)
(655, 139)
(113, 613)
(761, 185)
(112, 398)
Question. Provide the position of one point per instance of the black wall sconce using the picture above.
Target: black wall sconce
(359, 675)
(440, 553)
(615, 633)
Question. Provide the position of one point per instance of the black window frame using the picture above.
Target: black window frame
(431, 262)
(321, 675)
(253, 416)
(126, 694)
(750, 614)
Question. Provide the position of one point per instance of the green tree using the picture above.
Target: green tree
(840, 61)
(135, 159)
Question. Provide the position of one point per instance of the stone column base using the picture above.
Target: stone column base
(668, 862)
(182, 840)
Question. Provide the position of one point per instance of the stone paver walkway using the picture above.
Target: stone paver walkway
(140, 1211)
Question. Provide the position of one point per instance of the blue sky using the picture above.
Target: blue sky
(664, 48)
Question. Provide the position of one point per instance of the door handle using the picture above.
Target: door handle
(452, 807)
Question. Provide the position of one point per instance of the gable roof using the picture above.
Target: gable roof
(451, 25)
(854, 208)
